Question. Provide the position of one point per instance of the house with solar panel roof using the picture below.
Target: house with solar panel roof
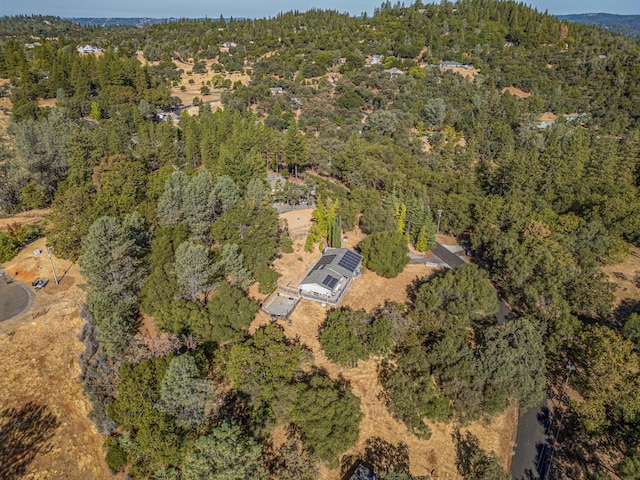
(329, 278)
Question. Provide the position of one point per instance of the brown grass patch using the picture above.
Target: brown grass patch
(622, 275)
(39, 365)
(548, 117)
(468, 72)
(516, 92)
(5, 110)
(24, 218)
(46, 102)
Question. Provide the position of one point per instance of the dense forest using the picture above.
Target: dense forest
(175, 221)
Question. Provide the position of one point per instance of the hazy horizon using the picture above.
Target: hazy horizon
(255, 9)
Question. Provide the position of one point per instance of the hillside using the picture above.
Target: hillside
(625, 24)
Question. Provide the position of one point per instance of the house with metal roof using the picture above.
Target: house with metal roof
(329, 278)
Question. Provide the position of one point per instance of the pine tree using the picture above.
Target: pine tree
(421, 242)
(95, 111)
(193, 269)
(296, 153)
(335, 239)
(183, 393)
(227, 453)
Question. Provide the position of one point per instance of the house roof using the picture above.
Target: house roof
(334, 265)
(394, 71)
(361, 471)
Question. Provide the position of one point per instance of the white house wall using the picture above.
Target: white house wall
(315, 288)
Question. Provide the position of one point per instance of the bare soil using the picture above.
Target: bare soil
(436, 456)
(38, 378)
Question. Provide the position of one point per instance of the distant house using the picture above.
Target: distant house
(170, 116)
(452, 65)
(229, 44)
(276, 90)
(32, 45)
(544, 125)
(88, 49)
(394, 72)
(342, 61)
(571, 117)
(330, 277)
(375, 59)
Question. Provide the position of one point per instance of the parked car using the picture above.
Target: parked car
(38, 284)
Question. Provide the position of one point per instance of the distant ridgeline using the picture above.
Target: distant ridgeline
(625, 24)
(133, 21)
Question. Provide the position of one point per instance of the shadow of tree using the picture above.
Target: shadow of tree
(24, 433)
(379, 456)
(385, 456)
(473, 462)
(626, 308)
(466, 448)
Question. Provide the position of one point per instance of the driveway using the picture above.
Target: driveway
(532, 444)
(531, 454)
(15, 298)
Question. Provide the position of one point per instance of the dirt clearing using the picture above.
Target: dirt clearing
(466, 72)
(515, 91)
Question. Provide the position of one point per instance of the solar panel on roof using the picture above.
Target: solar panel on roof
(350, 261)
(325, 260)
(330, 281)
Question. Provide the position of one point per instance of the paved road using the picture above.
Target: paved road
(15, 298)
(451, 259)
(532, 442)
(531, 456)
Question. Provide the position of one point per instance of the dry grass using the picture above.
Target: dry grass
(435, 456)
(622, 275)
(25, 218)
(46, 102)
(192, 90)
(39, 365)
(468, 72)
(516, 92)
(5, 106)
(548, 117)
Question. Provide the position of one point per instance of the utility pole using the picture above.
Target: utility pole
(439, 217)
(55, 277)
(570, 369)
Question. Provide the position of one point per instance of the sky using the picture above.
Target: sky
(261, 8)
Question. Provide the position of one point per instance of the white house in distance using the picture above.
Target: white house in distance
(330, 277)
(88, 49)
